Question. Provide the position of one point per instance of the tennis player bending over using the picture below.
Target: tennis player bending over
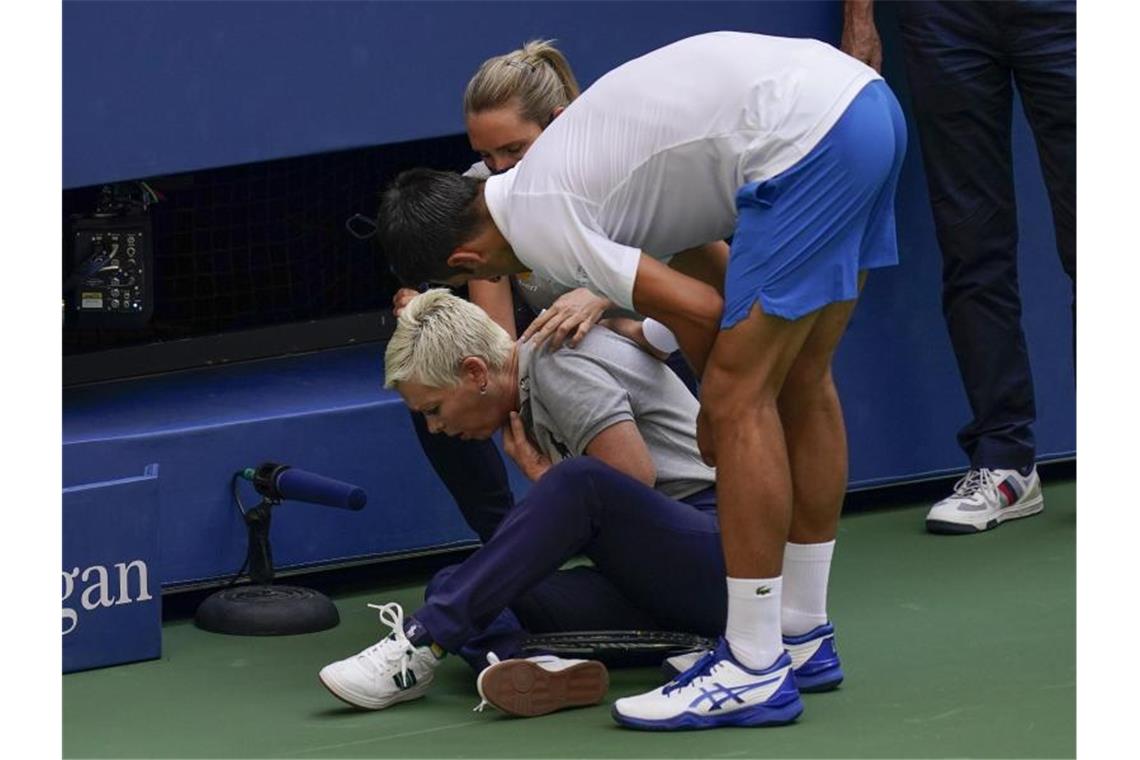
(608, 434)
(792, 148)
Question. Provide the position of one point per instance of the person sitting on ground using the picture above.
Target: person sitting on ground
(608, 434)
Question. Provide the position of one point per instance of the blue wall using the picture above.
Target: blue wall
(153, 88)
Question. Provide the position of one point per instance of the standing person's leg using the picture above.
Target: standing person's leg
(474, 474)
(739, 392)
(792, 282)
(816, 439)
(741, 388)
(962, 91)
(1043, 52)
(817, 446)
(958, 65)
(802, 239)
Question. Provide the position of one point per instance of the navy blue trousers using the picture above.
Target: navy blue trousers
(474, 474)
(963, 59)
(657, 564)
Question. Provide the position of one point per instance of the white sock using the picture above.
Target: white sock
(753, 629)
(804, 605)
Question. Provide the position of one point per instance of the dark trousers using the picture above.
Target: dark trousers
(474, 474)
(657, 564)
(963, 59)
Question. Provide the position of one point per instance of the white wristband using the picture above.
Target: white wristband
(659, 336)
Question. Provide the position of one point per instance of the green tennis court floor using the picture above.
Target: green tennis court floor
(953, 646)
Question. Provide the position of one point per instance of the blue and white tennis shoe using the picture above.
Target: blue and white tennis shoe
(815, 660)
(716, 691)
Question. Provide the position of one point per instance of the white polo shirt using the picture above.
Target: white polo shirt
(650, 157)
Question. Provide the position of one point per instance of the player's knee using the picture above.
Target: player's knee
(725, 393)
(733, 409)
(810, 376)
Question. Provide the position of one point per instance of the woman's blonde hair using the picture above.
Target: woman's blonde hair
(435, 332)
(537, 74)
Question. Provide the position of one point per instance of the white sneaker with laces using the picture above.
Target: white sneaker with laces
(541, 685)
(984, 499)
(390, 671)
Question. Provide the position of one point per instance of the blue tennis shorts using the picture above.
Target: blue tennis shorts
(803, 236)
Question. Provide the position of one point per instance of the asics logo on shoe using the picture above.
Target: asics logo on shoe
(722, 694)
(764, 591)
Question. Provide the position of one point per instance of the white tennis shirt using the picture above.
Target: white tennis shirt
(650, 157)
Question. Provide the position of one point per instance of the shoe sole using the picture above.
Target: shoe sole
(365, 704)
(525, 689)
(948, 528)
(816, 683)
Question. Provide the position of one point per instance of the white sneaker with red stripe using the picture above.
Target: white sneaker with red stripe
(984, 499)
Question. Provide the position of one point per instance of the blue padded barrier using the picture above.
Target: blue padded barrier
(326, 413)
(112, 606)
(157, 88)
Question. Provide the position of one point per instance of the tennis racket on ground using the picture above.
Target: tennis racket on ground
(629, 649)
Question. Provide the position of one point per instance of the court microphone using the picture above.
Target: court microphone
(280, 482)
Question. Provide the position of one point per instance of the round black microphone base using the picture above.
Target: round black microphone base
(263, 610)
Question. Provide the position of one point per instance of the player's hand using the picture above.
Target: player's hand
(705, 444)
(860, 37)
(568, 319)
(530, 460)
(401, 299)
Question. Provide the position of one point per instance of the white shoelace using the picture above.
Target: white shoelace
(396, 645)
(492, 659)
(974, 482)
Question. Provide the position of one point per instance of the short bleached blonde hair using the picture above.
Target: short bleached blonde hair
(435, 332)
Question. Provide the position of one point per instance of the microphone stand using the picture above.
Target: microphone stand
(259, 558)
(261, 608)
